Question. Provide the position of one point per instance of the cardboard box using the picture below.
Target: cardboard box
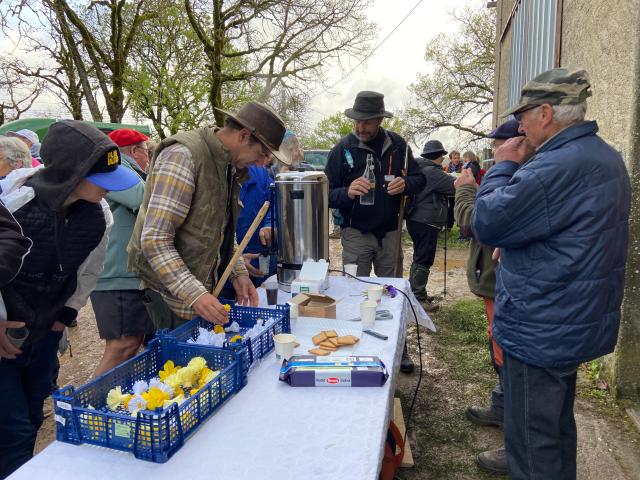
(315, 305)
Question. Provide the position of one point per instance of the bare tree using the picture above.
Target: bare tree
(282, 44)
(17, 96)
(458, 93)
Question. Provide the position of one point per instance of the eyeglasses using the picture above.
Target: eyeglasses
(518, 116)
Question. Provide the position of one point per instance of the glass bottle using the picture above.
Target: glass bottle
(369, 175)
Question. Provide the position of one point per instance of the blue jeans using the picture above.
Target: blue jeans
(25, 383)
(497, 395)
(539, 427)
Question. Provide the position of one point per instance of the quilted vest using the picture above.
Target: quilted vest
(199, 238)
(61, 242)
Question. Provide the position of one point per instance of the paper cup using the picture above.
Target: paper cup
(368, 313)
(263, 262)
(351, 269)
(285, 343)
(374, 293)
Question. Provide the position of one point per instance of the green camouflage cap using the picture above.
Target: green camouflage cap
(558, 86)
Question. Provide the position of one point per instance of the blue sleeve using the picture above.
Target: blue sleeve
(511, 207)
(273, 208)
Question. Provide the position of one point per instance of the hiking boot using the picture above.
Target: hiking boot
(406, 365)
(484, 416)
(430, 307)
(418, 277)
(494, 461)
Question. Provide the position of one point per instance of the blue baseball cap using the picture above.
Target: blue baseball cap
(508, 129)
(107, 173)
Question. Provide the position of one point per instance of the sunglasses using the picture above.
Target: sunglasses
(518, 116)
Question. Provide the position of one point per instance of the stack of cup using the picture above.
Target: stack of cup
(374, 293)
(368, 313)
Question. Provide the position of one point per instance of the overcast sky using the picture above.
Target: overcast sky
(395, 65)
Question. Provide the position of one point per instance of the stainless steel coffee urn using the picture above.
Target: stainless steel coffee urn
(303, 222)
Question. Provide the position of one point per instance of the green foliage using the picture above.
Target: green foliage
(458, 92)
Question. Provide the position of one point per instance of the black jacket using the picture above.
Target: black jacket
(13, 246)
(63, 237)
(430, 205)
(348, 160)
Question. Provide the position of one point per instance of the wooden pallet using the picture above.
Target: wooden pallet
(398, 418)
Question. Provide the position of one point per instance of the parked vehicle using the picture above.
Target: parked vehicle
(41, 126)
(316, 158)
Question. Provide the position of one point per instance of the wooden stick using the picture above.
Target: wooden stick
(403, 203)
(247, 236)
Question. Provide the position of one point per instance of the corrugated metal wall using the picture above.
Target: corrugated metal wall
(533, 31)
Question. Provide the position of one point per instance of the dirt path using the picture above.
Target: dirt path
(608, 447)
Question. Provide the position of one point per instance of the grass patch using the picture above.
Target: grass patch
(446, 442)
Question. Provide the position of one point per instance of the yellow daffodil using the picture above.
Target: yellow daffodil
(155, 398)
(174, 380)
(178, 399)
(207, 375)
(227, 307)
(218, 329)
(126, 400)
(187, 376)
(115, 398)
(178, 392)
(168, 368)
(197, 363)
(235, 338)
(193, 391)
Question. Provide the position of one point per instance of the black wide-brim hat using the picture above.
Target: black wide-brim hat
(433, 147)
(264, 124)
(368, 105)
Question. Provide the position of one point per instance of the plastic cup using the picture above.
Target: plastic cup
(263, 264)
(351, 269)
(374, 293)
(285, 344)
(368, 313)
(17, 336)
(272, 293)
(293, 310)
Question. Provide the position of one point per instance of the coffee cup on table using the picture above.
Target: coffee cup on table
(272, 292)
(285, 344)
(368, 313)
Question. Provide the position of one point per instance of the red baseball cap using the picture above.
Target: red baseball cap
(125, 137)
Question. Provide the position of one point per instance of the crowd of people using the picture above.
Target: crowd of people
(146, 233)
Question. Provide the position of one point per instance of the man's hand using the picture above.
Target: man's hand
(57, 326)
(360, 186)
(7, 350)
(265, 235)
(465, 178)
(253, 271)
(209, 308)
(396, 186)
(517, 149)
(245, 291)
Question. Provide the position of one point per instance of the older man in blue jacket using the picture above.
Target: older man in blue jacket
(556, 204)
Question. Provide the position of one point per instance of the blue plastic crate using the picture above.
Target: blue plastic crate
(246, 318)
(83, 417)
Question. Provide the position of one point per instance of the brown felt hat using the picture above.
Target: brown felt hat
(265, 124)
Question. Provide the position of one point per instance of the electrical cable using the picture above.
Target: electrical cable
(420, 371)
(371, 53)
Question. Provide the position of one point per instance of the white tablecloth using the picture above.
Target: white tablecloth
(270, 430)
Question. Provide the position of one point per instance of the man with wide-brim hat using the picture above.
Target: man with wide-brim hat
(369, 233)
(184, 233)
(560, 221)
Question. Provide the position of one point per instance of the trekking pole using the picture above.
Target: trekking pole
(445, 262)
